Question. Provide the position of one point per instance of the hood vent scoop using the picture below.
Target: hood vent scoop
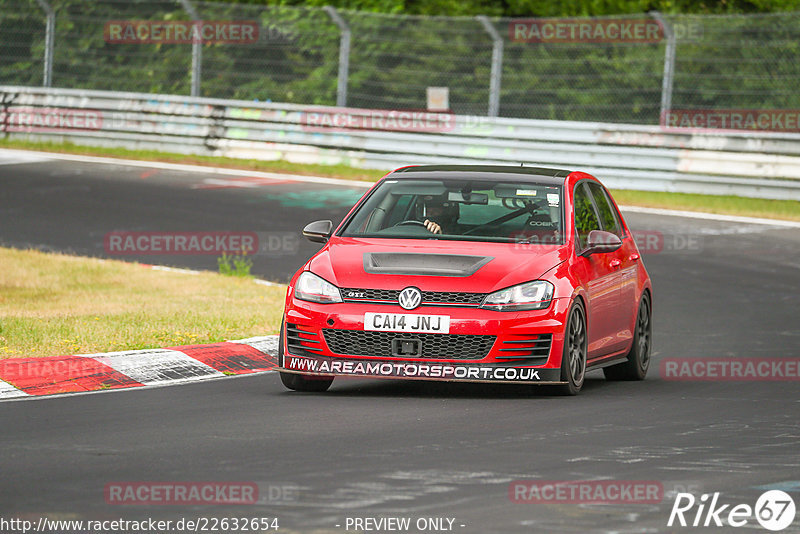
(423, 264)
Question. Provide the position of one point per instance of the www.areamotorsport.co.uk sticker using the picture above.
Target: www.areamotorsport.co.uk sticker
(417, 371)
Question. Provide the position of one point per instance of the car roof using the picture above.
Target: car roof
(540, 175)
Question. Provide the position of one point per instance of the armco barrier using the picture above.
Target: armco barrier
(751, 164)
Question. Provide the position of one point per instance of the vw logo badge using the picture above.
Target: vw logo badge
(409, 298)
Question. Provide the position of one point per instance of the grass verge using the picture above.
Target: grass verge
(723, 205)
(727, 205)
(55, 304)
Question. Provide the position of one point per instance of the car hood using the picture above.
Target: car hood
(433, 265)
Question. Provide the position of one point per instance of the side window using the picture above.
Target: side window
(607, 216)
(585, 216)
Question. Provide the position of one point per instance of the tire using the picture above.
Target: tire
(573, 357)
(300, 382)
(635, 368)
(307, 383)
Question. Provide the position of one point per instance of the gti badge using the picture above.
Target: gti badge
(409, 298)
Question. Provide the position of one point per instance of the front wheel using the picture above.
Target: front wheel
(573, 357)
(299, 382)
(635, 368)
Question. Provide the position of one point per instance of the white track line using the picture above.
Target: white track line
(711, 216)
(14, 157)
(267, 283)
(191, 271)
(173, 269)
(197, 168)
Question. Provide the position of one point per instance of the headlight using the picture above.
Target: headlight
(311, 287)
(528, 296)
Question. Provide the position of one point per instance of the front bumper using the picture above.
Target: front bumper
(327, 366)
(513, 354)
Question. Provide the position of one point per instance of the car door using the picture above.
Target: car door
(624, 262)
(600, 274)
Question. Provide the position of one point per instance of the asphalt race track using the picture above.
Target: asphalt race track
(417, 450)
(73, 207)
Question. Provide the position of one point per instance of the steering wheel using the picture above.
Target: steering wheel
(410, 222)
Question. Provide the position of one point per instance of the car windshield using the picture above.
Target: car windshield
(472, 210)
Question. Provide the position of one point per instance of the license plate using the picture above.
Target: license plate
(407, 322)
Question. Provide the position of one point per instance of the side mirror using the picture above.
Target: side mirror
(318, 231)
(600, 242)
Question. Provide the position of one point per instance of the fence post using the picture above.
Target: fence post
(197, 50)
(669, 66)
(497, 65)
(344, 55)
(49, 40)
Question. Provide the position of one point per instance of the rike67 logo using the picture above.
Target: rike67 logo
(774, 510)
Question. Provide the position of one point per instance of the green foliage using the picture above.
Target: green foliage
(235, 265)
(736, 62)
(544, 8)
(21, 51)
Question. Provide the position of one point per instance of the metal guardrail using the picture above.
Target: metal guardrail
(758, 165)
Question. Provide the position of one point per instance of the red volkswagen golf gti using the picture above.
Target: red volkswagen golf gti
(471, 273)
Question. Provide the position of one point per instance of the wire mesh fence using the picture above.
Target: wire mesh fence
(627, 69)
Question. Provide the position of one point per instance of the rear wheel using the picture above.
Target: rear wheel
(300, 382)
(573, 358)
(635, 368)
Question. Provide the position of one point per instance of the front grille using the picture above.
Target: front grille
(452, 298)
(300, 338)
(529, 348)
(428, 297)
(434, 346)
(370, 294)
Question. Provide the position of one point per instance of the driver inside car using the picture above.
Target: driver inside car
(438, 214)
